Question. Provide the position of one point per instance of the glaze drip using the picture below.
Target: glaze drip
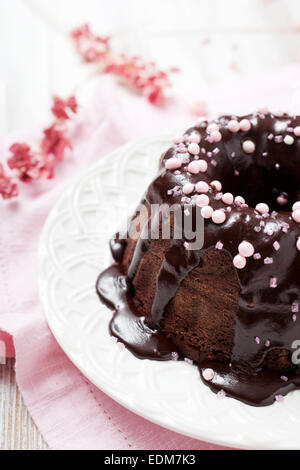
(269, 284)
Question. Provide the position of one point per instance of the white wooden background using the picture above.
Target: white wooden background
(211, 41)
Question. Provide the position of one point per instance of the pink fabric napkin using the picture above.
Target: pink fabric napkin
(70, 412)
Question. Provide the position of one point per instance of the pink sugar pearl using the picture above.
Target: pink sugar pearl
(262, 208)
(202, 187)
(240, 199)
(296, 215)
(179, 139)
(202, 166)
(228, 198)
(194, 168)
(212, 127)
(239, 262)
(298, 244)
(194, 138)
(246, 249)
(219, 217)
(282, 200)
(245, 125)
(289, 140)
(297, 131)
(188, 188)
(194, 149)
(296, 206)
(233, 126)
(207, 212)
(208, 374)
(202, 201)
(216, 136)
(173, 163)
(249, 146)
(216, 185)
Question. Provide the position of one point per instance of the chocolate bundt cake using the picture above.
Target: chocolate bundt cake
(230, 303)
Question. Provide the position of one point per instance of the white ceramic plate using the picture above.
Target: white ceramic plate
(73, 252)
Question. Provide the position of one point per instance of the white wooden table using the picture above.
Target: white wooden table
(209, 41)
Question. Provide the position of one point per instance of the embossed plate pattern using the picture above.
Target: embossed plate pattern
(73, 251)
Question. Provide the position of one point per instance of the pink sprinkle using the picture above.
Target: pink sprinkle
(279, 139)
(278, 113)
(262, 208)
(214, 163)
(246, 249)
(276, 246)
(268, 260)
(202, 187)
(239, 262)
(257, 256)
(289, 140)
(277, 166)
(216, 185)
(228, 199)
(296, 206)
(297, 131)
(216, 136)
(208, 375)
(202, 166)
(284, 378)
(178, 140)
(186, 245)
(194, 149)
(194, 168)
(233, 155)
(279, 398)
(270, 136)
(263, 109)
(296, 215)
(267, 344)
(249, 146)
(294, 318)
(188, 188)
(236, 173)
(187, 213)
(212, 127)
(219, 246)
(218, 196)
(282, 200)
(257, 229)
(273, 283)
(207, 212)
(195, 138)
(233, 126)
(202, 201)
(295, 307)
(221, 394)
(218, 217)
(245, 125)
(174, 356)
(239, 200)
(173, 163)
(216, 151)
(257, 340)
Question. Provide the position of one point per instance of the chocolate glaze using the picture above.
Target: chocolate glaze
(263, 312)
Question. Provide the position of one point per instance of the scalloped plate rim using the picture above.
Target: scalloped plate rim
(222, 441)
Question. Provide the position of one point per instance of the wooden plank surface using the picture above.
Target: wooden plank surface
(211, 41)
(17, 430)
